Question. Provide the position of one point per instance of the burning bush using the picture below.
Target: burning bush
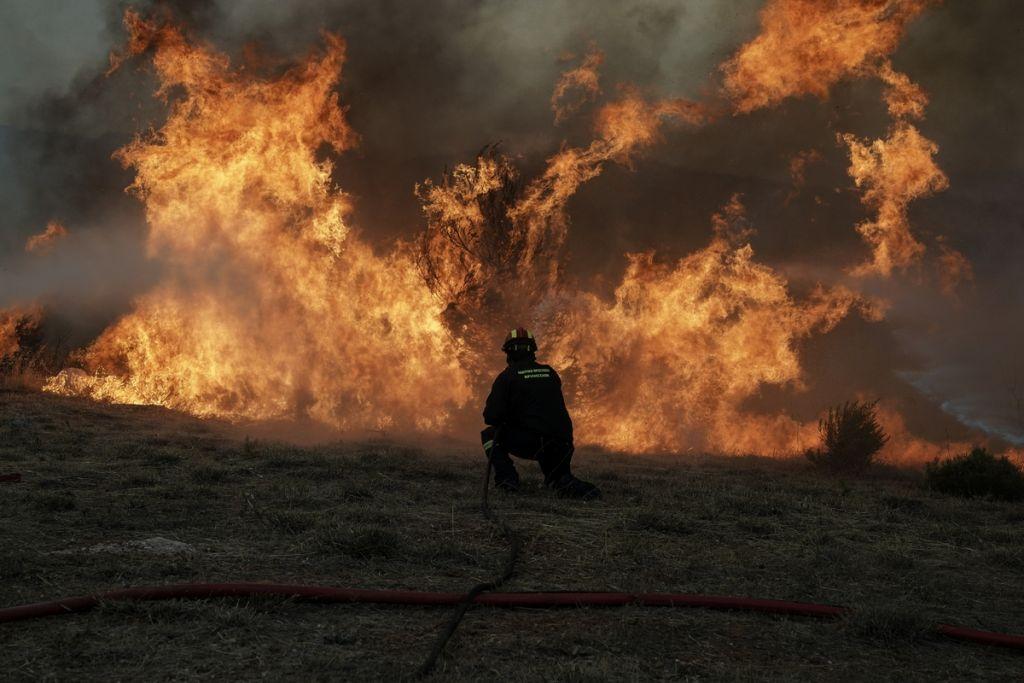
(474, 256)
(26, 356)
(978, 473)
(850, 437)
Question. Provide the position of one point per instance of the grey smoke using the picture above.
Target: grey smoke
(429, 83)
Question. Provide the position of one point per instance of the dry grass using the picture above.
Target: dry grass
(384, 515)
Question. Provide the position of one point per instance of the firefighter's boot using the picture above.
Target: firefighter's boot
(569, 486)
(506, 477)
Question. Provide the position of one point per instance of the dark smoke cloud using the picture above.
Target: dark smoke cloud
(428, 84)
(965, 54)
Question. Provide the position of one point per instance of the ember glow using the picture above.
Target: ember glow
(273, 304)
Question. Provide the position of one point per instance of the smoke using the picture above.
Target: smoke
(428, 84)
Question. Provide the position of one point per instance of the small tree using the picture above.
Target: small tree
(492, 250)
(978, 473)
(28, 351)
(850, 437)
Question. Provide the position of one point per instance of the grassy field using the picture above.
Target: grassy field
(385, 515)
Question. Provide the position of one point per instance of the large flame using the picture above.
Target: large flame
(806, 46)
(273, 306)
(493, 247)
(670, 362)
(893, 172)
(666, 365)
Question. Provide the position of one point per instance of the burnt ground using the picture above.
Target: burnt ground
(384, 515)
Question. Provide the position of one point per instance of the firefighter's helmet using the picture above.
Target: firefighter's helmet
(519, 338)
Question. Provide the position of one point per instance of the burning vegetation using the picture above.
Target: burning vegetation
(45, 241)
(805, 47)
(15, 324)
(272, 305)
(27, 356)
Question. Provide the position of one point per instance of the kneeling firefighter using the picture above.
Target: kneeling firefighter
(526, 417)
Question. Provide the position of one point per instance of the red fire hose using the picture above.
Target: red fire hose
(10, 478)
(421, 598)
(434, 599)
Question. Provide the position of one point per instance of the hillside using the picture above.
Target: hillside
(378, 514)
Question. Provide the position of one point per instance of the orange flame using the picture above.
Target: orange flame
(577, 86)
(904, 448)
(45, 241)
(670, 362)
(14, 321)
(493, 245)
(806, 46)
(903, 97)
(273, 306)
(893, 172)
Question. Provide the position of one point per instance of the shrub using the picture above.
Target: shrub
(978, 473)
(850, 437)
(28, 352)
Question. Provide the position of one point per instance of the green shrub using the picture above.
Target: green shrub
(850, 437)
(978, 473)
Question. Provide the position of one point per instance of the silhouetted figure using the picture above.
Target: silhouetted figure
(526, 417)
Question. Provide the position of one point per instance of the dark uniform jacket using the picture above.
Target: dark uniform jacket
(527, 396)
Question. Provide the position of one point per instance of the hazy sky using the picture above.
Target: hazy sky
(44, 44)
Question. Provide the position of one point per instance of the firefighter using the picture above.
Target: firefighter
(526, 417)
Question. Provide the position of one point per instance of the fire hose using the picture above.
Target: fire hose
(476, 591)
(536, 600)
(477, 595)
